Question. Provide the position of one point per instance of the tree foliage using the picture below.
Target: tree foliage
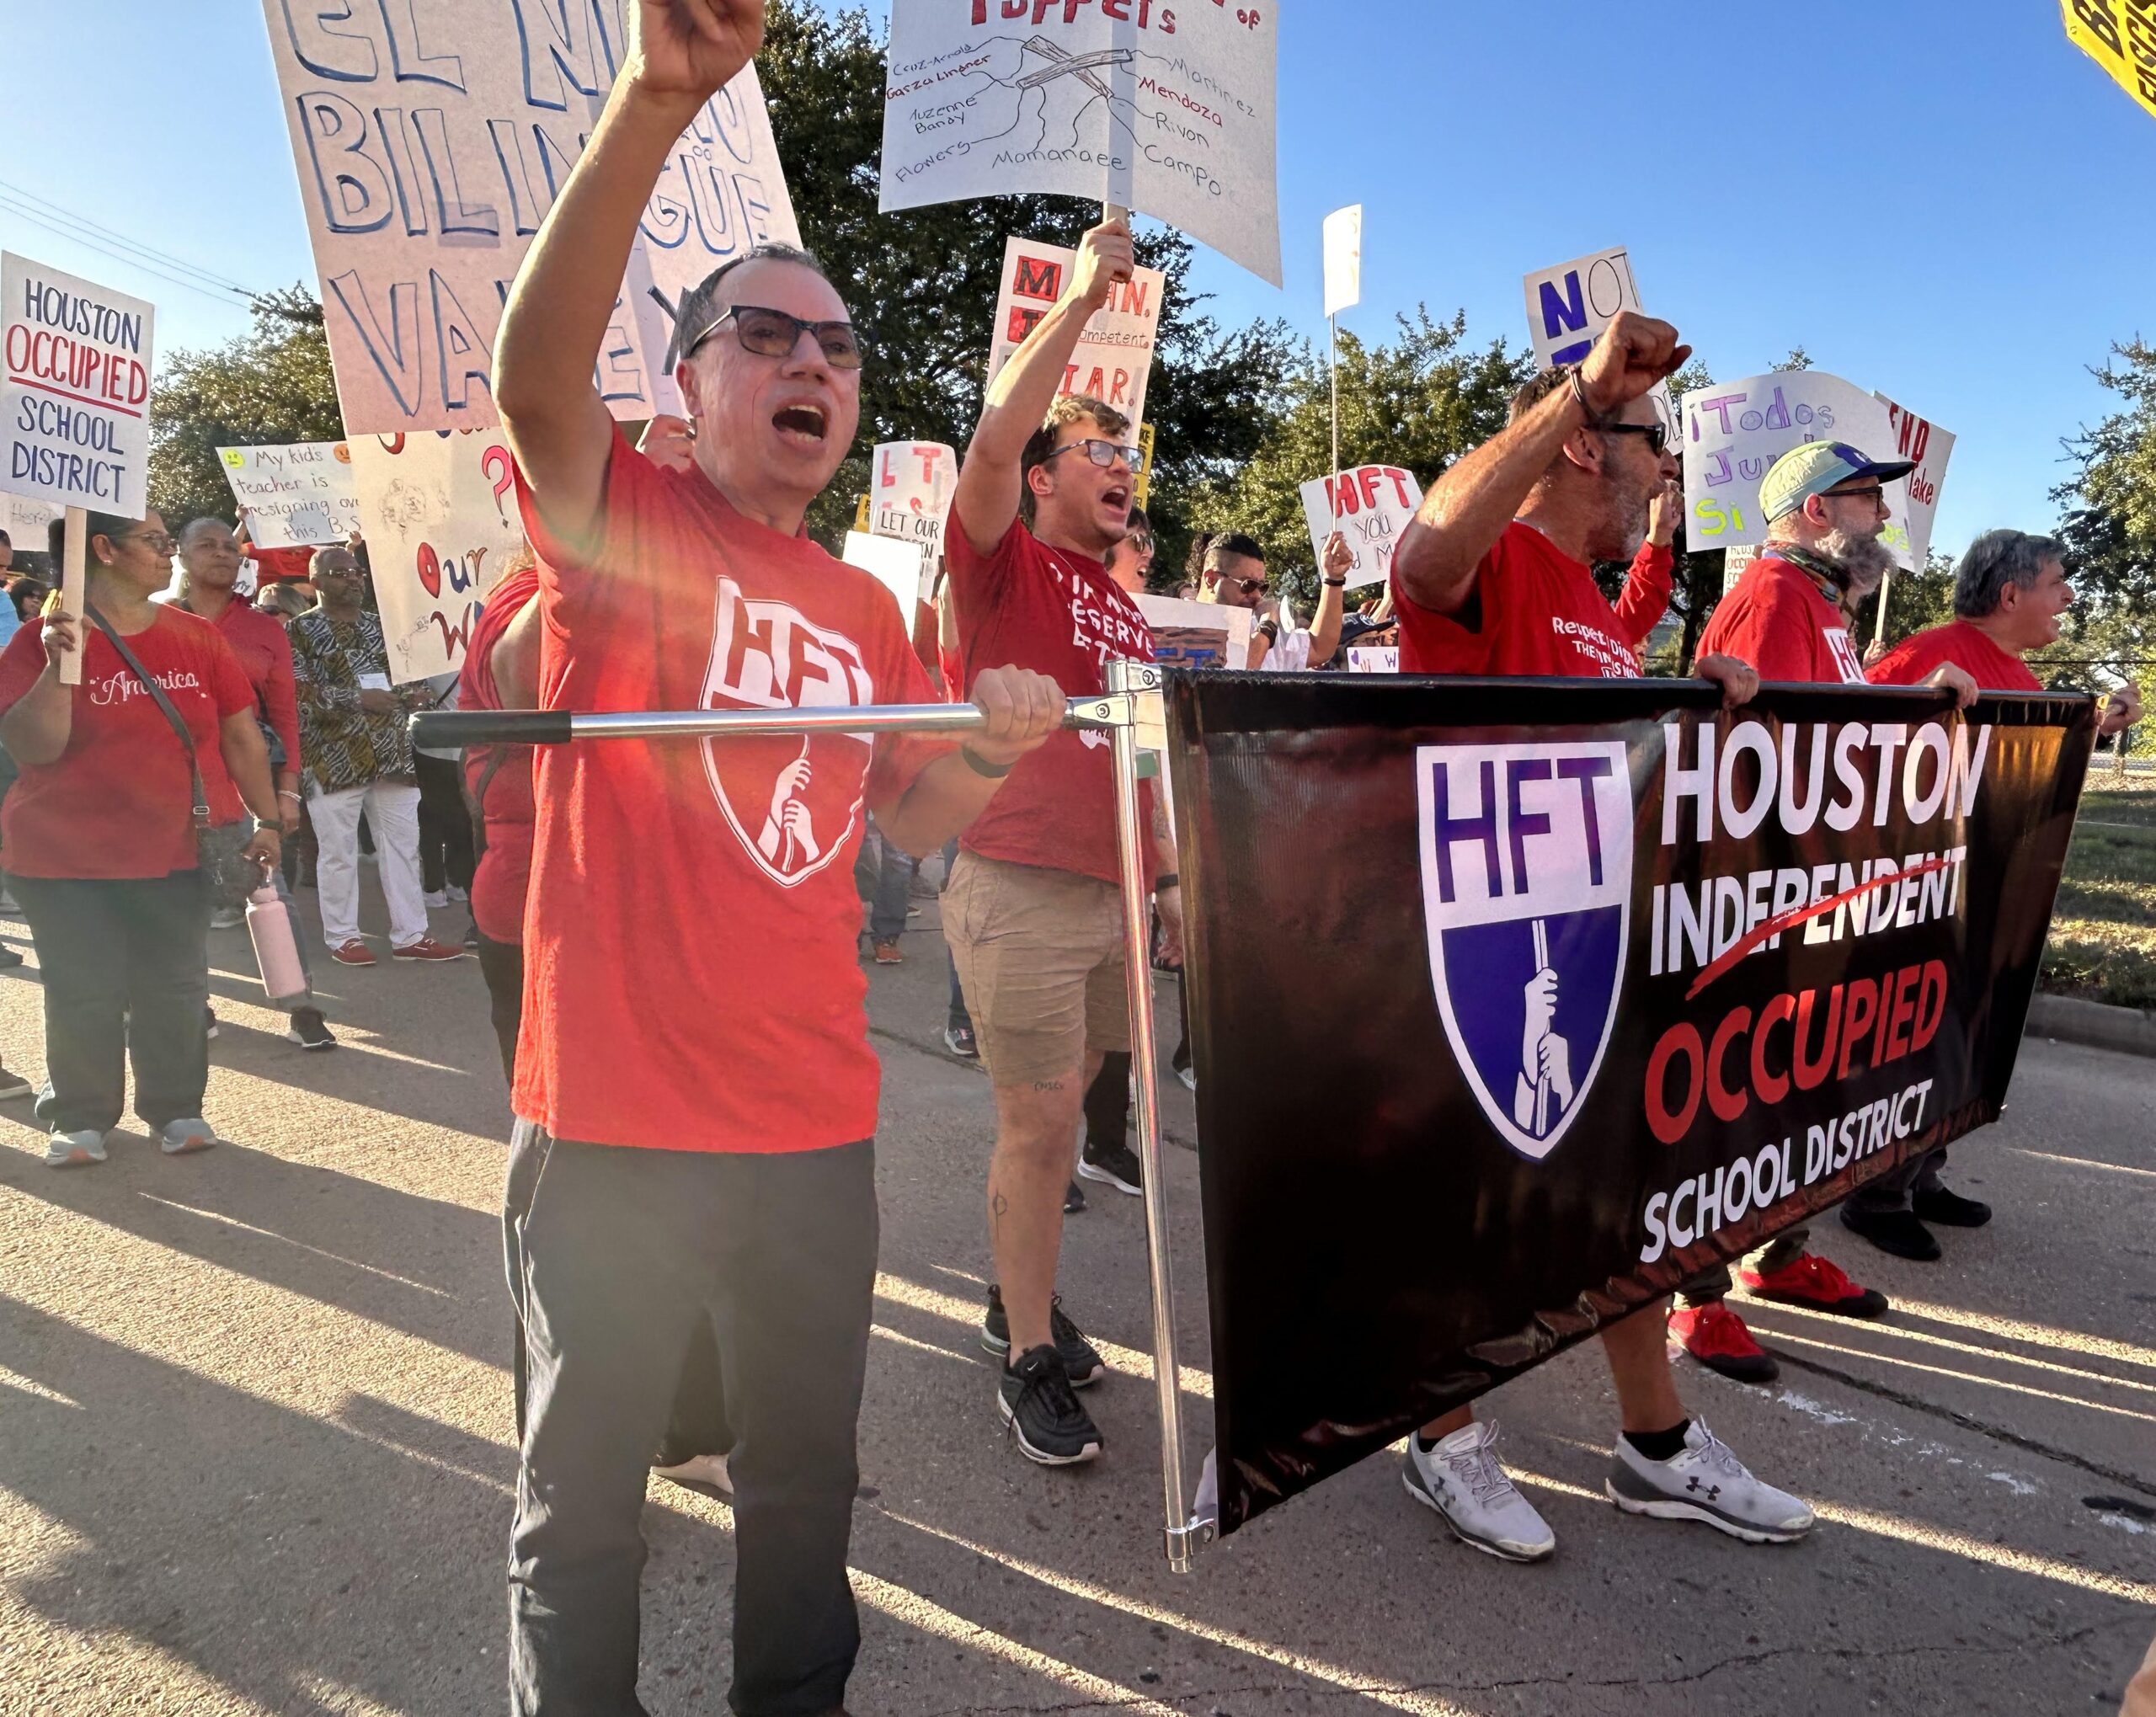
(270, 384)
(2110, 524)
(1418, 400)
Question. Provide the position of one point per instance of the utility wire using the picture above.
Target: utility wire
(223, 291)
(100, 230)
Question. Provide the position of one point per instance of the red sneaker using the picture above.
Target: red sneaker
(1717, 1337)
(355, 953)
(1817, 1286)
(427, 948)
(887, 954)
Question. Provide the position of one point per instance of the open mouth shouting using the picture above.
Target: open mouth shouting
(1116, 497)
(802, 423)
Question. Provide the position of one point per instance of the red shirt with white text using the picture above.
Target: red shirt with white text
(1540, 614)
(1778, 619)
(118, 802)
(1058, 613)
(690, 975)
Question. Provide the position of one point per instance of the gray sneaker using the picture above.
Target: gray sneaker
(179, 1138)
(74, 1150)
(1461, 1477)
(1706, 1482)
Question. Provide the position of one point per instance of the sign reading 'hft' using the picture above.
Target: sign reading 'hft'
(432, 140)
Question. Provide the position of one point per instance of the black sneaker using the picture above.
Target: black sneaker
(1896, 1231)
(1949, 1209)
(1081, 1365)
(958, 1039)
(1035, 1400)
(308, 1031)
(1115, 1165)
(1074, 1199)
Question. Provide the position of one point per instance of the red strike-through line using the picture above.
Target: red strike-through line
(1801, 914)
(79, 399)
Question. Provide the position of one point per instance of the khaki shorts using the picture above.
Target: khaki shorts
(1039, 954)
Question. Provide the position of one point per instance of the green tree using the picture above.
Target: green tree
(269, 385)
(2110, 524)
(922, 285)
(1419, 400)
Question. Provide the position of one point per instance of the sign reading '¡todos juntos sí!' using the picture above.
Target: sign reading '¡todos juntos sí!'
(75, 397)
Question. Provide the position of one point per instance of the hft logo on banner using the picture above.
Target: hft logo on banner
(1373, 503)
(76, 393)
(1163, 109)
(1114, 355)
(431, 141)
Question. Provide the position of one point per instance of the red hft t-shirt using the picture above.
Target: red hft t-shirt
(1540, 615)
(691, 977)
(279, 566)
(1910, 662)
(1058, 613)
(119, 801)
(499, 777)
(1779, 620)
(265, 652)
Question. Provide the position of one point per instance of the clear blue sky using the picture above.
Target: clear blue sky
(1951, 207)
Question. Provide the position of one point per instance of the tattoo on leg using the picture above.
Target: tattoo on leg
(997, 1204)
(1048, 1084)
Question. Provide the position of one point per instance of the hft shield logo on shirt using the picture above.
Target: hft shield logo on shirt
(792, 801)
(1527, 885)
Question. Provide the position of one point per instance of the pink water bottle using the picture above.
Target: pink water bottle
(276, 951)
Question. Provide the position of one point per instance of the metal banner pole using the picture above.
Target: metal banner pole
(1135, 680)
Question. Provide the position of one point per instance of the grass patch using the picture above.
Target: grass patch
(2103, 939)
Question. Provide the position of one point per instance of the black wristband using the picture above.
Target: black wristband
(1172, 879)
(980, 766)
(1336, 583)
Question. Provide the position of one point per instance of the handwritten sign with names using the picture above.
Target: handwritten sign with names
(1154, 105)
(430, 142)
(1373, 503)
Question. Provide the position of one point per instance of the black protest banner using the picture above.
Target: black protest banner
(1602, 984)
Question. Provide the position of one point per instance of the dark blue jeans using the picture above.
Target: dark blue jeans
(615, 1256)
(126, 969)
(888, 901)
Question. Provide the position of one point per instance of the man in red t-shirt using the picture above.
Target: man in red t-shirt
(1493, 576)
(1033, 912)
(697, 1093)
(2009, 595)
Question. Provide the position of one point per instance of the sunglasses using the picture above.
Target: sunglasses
(1104, 453)
(1657, 435)
(1249, 587)
(773, 333)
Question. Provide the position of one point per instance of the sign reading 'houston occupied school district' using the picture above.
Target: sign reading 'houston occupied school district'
(75, 398)
(1162, 106)
(430, 142)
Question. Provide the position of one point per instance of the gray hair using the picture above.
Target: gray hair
(1996, 559)
(187, 529)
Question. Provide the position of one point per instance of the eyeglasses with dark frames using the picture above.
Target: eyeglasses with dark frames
(1103, 454)
(1657, 435)
(773, 333)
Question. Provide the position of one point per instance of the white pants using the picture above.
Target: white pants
(393, 812)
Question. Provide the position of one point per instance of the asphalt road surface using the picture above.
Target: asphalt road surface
(255, 1449)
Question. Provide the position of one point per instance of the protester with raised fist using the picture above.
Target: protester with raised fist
(1645, 599)
(2010, 593)
(103, 845)
(718, 1158)
(1033, 910)
(1233, 574)
(1493, 576)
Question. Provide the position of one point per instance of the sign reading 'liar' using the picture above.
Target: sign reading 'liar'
(1114, 357)
(430, 142)
(77, 390)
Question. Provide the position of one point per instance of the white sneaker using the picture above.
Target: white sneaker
(1461, 1478)
(1706, 1482)
(437, 897)
(228, 918)
(181, 1137)
(703, 1470)
(74, 1150)
(1189, 1075)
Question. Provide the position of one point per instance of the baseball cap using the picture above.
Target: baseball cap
(1814, 468)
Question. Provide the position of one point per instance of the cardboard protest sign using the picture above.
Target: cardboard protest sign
(1931, 447)
(1569, 305)
(1196, 634)
(2120, 36)
(428, 153)
(1166, 109)
(1343, 259)
(75, 398)
(1375, 658)
(1373, 503)
(1734, 431)
(300, 493)
(895, 564)
(1114, 356)
(27, 522)
(909, 494)
(439, 513)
